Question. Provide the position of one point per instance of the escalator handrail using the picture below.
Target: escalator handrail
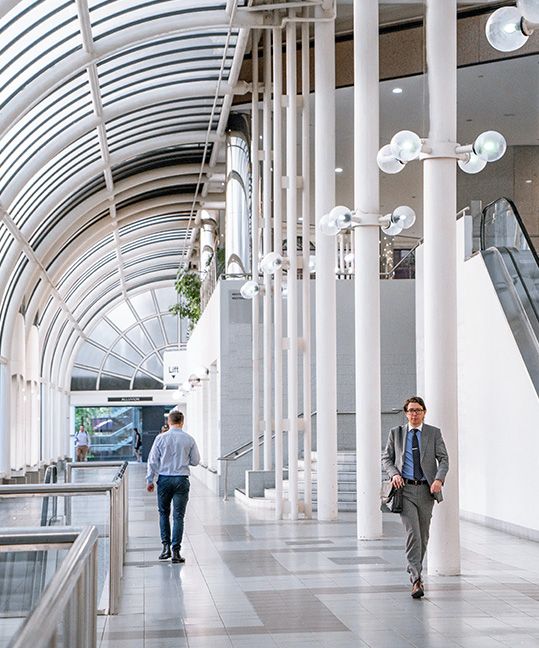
(519, 220)
(521, 279)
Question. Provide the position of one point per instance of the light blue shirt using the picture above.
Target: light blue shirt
(408, 465)
(171, 455)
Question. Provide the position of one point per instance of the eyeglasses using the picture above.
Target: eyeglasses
(414, 411)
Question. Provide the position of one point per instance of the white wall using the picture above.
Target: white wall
(498, 410)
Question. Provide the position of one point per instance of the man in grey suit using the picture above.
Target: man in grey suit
(415, 458)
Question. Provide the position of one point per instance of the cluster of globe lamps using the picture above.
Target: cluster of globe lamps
(507, 29)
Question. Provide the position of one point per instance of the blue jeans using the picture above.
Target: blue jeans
(175, 490)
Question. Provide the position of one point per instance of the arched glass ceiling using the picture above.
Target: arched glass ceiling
(124, 348)
(110, 111)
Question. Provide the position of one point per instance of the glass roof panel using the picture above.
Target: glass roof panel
(165, 298)
(115, 15)
(60, 109)
(171, 328)
(5, 241)
(53, 25)
(121, 316)
(68, 162)
(117, 366)
(139, 339)
(89, 355)
(143, 304)
(104, 334)
(154, 365)
(125, 349)
(154, 329)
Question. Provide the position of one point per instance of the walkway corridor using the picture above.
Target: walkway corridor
(256, 583)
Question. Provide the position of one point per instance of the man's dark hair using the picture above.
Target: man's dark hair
(175, 417)
(414, 399)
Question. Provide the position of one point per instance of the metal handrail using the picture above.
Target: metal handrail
(69, 603)
(118, 517)
(247, 447)
(386, 275)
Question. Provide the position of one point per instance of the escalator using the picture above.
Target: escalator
(513, 265)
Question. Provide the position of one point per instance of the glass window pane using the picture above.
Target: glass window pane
(139, 338)
(121, 316)
(90, 356)
(171, 328)
(154, 329)
(117, 366)
(104, 334)
(154, 365)
(143, 304)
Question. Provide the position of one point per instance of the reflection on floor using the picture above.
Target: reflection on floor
(256, 583)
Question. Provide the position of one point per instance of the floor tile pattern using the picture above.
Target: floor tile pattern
(250, 582)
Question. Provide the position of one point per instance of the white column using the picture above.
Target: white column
(367, 280)
(306, 283)
(267, 246)
(326, 327)
(255, 207)
(440, 274)
(5, 426)
(277, 281)
(292, 278)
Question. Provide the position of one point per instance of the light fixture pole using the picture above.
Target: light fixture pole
(292, 276)
(277, 277)
(306, 281)
(266, 245)
(326, 325)
(367, 276)
(440, 272)
(255, 207)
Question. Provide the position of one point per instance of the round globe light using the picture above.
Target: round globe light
(404, 216)
(530, 10)
(504, 29)
(472, 164)
(490, 146)
(328, 226)
(341, 216)
(392, 229)
(249, 289)
(387, 162)
(312, 264)
(271, 263)
(405, 145)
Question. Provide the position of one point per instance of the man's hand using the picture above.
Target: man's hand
(150, 488)
(436, 486)
(397, 481)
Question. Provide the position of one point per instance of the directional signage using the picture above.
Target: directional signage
(174, 363)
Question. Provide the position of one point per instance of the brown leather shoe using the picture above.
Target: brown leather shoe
(417, 589)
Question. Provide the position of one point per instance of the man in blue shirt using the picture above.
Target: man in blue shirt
(170, 457)
(416, 459)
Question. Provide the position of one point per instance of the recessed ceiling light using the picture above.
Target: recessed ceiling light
(338, 170)
(528, 181)
(397, 91)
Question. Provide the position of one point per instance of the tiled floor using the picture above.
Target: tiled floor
(256, 583)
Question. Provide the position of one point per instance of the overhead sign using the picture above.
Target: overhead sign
(174, 363)
(128, 399)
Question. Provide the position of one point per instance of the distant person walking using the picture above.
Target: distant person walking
(137, 445)
(82, 444)
(171, 455)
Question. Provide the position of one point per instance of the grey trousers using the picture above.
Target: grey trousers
(416, 515)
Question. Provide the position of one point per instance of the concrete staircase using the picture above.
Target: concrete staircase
(346, 485)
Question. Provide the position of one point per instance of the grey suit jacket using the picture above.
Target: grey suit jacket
(433, 453)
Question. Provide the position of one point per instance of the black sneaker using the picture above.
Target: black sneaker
(176, 558)
(165, 554)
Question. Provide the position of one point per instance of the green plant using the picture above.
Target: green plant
(187, 286)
